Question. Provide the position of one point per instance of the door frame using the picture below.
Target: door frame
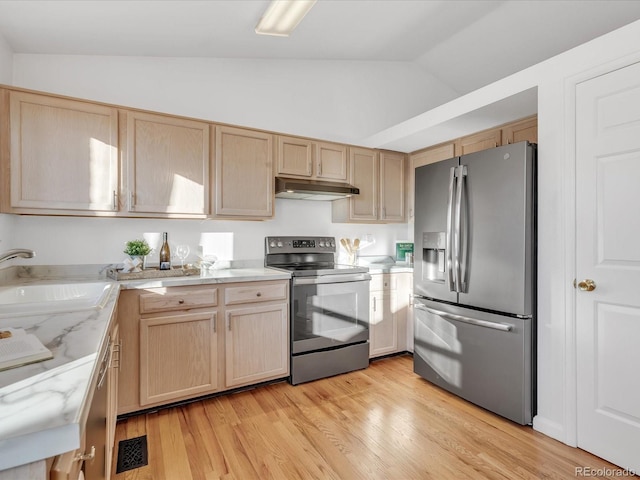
(570, 240)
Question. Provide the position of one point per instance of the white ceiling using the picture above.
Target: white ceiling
(465, 44)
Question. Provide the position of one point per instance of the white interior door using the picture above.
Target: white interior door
(608, 252)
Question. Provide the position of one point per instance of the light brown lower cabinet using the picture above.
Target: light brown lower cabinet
(178, 356)
(249, 332)
(184, 342)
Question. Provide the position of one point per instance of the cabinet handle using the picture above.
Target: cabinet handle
(309, 168)
(116, 355)
(181, 301)
(131, 199)
(228, 323)
(115, 200)
(374, 304)
(258, 294)
(213, 319)
(87, 456)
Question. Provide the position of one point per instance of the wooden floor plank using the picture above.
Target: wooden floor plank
(383, 423)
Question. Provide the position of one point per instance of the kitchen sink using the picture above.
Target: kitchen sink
(52, 298)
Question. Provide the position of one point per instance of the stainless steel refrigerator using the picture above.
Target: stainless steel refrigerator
(475, 277)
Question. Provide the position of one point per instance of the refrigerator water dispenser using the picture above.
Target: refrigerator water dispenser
(433, 256)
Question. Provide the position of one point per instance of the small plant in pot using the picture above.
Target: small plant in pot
(138, 249)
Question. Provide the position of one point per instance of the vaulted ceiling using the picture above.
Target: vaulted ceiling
(465, 44)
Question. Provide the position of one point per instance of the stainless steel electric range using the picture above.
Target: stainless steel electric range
(329, 310)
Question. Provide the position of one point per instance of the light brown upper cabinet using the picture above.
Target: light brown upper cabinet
(380, 176)
(295, 156)
(63, 155)
(331, 161)
(525, 129)
(365, 174)
(299, 157)
(392, 186)
(243, 173)
(479, 141)
(167, 165)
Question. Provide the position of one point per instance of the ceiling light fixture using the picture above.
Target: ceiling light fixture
(283, 16)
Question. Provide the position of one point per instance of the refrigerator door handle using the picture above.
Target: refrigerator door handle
(472, 321)
(449, 264)
(456, 229)
(463, 231)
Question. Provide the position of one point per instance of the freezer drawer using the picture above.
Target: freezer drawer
(481, 357)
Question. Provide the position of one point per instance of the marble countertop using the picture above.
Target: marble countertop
(394, 268)
(383, 264)
(42, 405)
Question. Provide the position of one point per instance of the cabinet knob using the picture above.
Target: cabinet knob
(181, 301)
(258, 294)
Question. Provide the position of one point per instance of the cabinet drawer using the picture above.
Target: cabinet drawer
(256, 293)
(164, 299)
(383, 281)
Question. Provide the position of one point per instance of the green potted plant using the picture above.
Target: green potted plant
(138, 249)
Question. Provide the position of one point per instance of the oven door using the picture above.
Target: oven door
(329, 311)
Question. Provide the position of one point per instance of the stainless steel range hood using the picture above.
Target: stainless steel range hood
(301, 189)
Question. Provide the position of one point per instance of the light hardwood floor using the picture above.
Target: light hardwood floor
(380, 423)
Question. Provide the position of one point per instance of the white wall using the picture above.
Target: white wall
(6, 61)
(340, 101)
(76, 240)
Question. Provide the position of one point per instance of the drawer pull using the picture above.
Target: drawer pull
(87, 456)
(258, 294)
(181, 301)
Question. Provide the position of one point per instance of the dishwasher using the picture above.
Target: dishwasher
(96, 427)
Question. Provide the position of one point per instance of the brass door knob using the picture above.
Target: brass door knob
(587, 285)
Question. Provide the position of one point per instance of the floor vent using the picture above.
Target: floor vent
(132, 453)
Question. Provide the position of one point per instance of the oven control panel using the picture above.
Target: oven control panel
(299, 244)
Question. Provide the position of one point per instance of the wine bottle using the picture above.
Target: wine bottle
(165, 254)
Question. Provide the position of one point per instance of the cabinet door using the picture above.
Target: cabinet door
(243, 173)
(295, 156)
(392, 191)
(405, 311)
(364, 175)
(64, 154)
(257, 344)
(479, 141)
(383, 333)
(520, 131)
(177, 357)
(167, 164)
(331, 161)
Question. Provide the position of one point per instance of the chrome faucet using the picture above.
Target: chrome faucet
(16, 253)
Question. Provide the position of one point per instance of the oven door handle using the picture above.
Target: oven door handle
(339, 278)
